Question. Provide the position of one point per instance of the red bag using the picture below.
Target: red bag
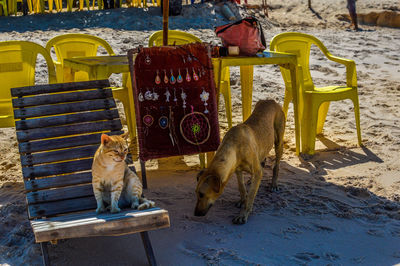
(246, 33)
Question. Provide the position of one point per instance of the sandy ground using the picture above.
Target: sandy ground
(339, 207)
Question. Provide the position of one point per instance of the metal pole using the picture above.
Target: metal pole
(165, 21)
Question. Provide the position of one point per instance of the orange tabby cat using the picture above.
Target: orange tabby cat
(113, 182)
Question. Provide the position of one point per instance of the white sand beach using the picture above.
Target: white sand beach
(338, 207)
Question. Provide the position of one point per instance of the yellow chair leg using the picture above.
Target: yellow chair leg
(50, 2)
(309, 125)
(357, 117)
(322, 112)
(286, 101)
(246, 79)
(225, 90)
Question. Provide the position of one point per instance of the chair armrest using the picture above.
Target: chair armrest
(351, 74)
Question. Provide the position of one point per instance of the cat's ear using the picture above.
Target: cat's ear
(105, 139)
(125, 136)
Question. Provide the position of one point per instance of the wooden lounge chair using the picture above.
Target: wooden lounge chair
(58, 130)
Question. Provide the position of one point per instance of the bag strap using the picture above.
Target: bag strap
(250, 19)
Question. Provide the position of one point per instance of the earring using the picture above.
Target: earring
(155, 95)
(195, 77)
(179, 78)
(147, 60)
(148, 95)
(166, 80)
(204, 98)
(158, 79)
(172, 79)
(167, 95)
(199, 71)
(147, 121)
(175, 99)
(140, 96)
(183, 96)
(187, 75)
(163, 120)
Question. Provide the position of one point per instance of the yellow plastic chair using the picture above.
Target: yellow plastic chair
(4, 8)
(179, 37)
(17, 69)
(78, 45)
(75, 45)
(314, 101)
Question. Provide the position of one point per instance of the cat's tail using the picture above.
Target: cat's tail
(146, 204)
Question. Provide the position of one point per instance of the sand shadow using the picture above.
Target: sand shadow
(315, 13)
(135, 19)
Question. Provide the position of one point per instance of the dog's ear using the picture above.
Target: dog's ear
(215, 183)
(199, 174)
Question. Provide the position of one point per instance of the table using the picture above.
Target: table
(101, 67)
(246, 64)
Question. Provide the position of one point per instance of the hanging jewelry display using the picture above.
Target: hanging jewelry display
(179, 79)
(148, 95)
(155, 95)
(183, 96)
(172, 80)
(158, 79)
(166, 80)
(187, 75)
(140, 96)
(204, 98)
(195, 128)
(167, 95)
(195, 77)
(163, 120)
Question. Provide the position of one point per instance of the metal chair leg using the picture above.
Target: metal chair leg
(45, 254)
(149, 250)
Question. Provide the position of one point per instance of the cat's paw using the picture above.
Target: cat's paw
(100, 209)
(115, 209)
(135, 205)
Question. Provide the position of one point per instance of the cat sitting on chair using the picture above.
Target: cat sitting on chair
(113, 182)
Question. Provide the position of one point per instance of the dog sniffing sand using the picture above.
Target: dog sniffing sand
(243, 148)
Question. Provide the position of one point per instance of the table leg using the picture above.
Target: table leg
(246, 79)
(295, 93)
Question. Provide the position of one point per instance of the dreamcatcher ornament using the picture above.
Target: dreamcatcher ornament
(195, 128)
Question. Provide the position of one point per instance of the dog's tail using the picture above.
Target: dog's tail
(279, 131)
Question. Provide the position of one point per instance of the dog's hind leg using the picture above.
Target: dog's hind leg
(242, 189)
(279, 128)
(246, 209)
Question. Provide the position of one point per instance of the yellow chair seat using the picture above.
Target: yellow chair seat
(313, 101)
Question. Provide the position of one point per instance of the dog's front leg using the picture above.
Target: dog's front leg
(248, 206)
(242, 189)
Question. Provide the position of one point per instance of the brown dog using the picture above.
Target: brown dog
(243, 148)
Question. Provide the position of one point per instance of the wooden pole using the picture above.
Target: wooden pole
(165, 21)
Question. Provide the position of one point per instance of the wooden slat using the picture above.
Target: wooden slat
(58, 87)
(57, 168)
(61, 98)
(52, 144)
(61, 207)
(52, 132)
(46, 110)
(59, 194)
(66, 119)
(58, 181)
(89, 224)
(57, 156)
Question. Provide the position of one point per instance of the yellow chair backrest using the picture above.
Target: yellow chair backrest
(76, 45)
(17, 69)
(174, 37)
(299, 44)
